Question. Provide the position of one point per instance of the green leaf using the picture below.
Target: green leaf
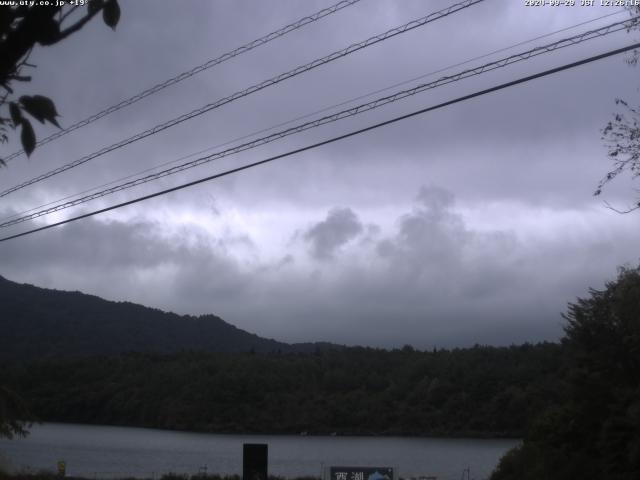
(16, 114)
(28, 137)
(41, 108)
(111, 13)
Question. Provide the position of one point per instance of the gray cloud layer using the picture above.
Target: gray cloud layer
(431, 280)
(506, 233)
(340, 226)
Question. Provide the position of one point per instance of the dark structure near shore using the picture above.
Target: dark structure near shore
(255, 460)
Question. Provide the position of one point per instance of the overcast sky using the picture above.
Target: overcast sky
(471, 224)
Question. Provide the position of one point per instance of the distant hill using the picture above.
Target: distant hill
(41, 323)
(89, 360)
(480, 391)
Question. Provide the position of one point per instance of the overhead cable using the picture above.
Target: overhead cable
(350, 112)
(308, 115)
(255, 88)
(332, 140)
(194, 71)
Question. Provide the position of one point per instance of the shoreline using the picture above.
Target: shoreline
(50, 475)
(352, 434)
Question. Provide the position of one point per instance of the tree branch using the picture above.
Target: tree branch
(63, 17)
(78, 25)
(610, 207)
(19, 41)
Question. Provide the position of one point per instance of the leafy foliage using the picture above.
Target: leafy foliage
(220, 378)
(480, 391)
(22, 27)
(14, 414)
(41, 108)
(111, 13)
(27, 137)
(48, 475)
(595, 431)
(622, 136)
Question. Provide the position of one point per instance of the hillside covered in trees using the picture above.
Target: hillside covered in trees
(78, 358)
(41, 323)
(576, 404)
(594, 431)
(482, 391)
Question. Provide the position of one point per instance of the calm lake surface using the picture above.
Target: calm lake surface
(108, 452)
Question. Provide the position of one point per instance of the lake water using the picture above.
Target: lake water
(108, 452)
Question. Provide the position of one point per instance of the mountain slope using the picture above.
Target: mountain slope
(38, 323)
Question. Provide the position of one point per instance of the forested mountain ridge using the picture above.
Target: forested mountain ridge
(79, 358)
(40, 323)
(594, 431)
(479, 391)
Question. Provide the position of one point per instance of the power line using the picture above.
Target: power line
(334, 139)
(194, 71)
(302, 117)
(254, 88)
(337, 116)
(501, 63)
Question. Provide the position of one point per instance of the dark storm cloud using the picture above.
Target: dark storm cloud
(136, 260)
(436, 280)
(431, 233)
(327, 236)
(430, 280)
(435, 255)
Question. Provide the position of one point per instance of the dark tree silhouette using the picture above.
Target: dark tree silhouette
(595, 431)
(622, 138)
(14, 415)
(21, 29)
(622, 135)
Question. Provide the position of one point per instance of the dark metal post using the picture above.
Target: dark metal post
(254, 461)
